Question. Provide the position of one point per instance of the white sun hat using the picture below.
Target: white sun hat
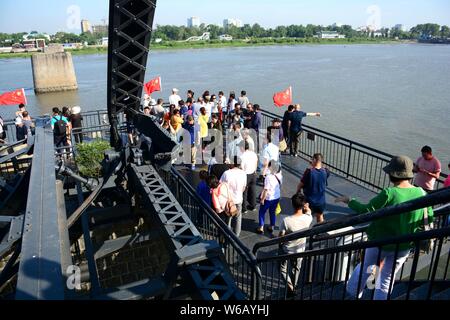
(175, 90)
(76, 110)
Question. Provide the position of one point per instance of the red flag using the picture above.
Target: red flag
(153, 85)
(283, 98)
(13, 97)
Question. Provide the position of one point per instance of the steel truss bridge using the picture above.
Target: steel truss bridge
(44, 233)
(141, 232)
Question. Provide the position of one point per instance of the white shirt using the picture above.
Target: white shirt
(158, 110)
(174, 99)
(196, 109)
(293, 224)
(271, 152)
(249, 162)
(233, 149)
(223, 104)
(251, 143)
(236, 180)
(215, 107)
(208, 107)
(272, 186)
(231, 105)
(243, 101)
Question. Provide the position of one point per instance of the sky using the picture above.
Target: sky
(64, 15)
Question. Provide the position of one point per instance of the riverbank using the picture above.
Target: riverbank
(176, 45)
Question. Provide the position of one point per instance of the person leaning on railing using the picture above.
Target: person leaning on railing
(400, 171)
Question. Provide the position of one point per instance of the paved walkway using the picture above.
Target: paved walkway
(293, 169)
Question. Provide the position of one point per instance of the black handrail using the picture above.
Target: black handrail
(419, 236)
(225, 230)
(439, 197)
(348, 143)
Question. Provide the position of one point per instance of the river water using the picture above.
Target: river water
(395, 98)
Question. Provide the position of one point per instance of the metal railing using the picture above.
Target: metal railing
(241, 261)
(352, 160)
(330, 258)
(325, 273)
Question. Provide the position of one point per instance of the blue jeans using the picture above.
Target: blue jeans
(272, 206)
(384, 275)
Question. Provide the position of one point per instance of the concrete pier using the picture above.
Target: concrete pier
(53, 71)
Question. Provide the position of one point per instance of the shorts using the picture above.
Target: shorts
(315, 209)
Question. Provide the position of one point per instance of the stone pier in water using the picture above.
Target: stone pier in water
(53, 71)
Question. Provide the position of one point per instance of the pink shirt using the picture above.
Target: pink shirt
(447, 182)
(424, 180)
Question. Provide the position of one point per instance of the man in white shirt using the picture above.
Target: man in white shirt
(249, 163)
(235, 138)
(271, 152)
(174, 98)
(223, 103)
(236, 179)
(301, 219)
(243, 100)
(158, 110)
(208, 106)
(248, 138)
(196, 108)
(146, 102)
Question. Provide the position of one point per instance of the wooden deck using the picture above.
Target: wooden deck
(293, 169)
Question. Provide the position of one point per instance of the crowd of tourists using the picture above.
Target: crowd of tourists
(246, 175)
(231, 187)
(65, 123)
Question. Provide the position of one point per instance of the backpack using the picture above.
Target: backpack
(60, 126)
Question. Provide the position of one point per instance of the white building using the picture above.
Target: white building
(193, 22)
(399, 27)
(204, 37)
(225, 37)
(330, 35)
(232, 22)
(104, 42)
(378, 34)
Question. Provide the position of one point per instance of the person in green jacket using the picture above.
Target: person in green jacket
(400, 171)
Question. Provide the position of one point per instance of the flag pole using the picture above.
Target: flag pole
(24, 96)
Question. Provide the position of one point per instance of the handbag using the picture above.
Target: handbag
(283, 145)
(230, 209)
(278, 209)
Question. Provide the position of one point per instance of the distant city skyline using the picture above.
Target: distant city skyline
(52, 16)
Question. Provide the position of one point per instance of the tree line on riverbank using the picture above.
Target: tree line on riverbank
(253, 33)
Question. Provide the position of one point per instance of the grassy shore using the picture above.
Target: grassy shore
(178, 45)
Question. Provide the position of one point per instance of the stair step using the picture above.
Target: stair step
(443, 295)
(418, 293)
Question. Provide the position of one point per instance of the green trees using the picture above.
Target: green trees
(428, 29)
(255, 32)
(445, 32)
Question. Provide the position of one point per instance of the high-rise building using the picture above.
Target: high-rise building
(193, 22)
(399, 27)
(85, 26)
(103, 29)
(232, 22)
